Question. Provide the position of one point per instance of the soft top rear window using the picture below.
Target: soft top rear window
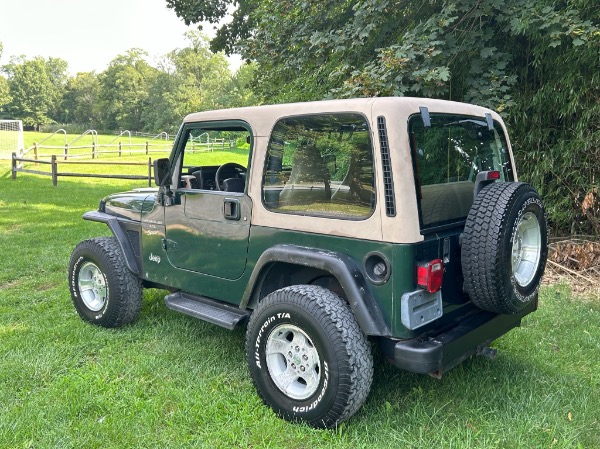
(447, 157)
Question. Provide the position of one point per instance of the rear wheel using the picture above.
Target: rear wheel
(504, 247)
(103, 290)
(307, 356)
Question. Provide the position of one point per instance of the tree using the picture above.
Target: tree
(203, 74)
(238, 91)
(124, 90)
(56, 69)
(5, 98)
(189, 79)
(34, 86)
(80, 100)
(238, 28)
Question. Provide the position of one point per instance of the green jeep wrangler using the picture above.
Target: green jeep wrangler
(336, 224)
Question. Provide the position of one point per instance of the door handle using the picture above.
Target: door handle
(231, 209)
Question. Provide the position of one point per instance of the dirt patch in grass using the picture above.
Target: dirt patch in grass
(13, 227)
(575, 261)
(10, 284)
(46, 286)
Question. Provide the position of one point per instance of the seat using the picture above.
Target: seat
(205, 178)
(233, 185)
(309, 180)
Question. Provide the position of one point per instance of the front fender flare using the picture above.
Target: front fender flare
(346, 271)
(119, 233)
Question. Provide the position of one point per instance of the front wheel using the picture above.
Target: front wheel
(307, 356)
(103, 290)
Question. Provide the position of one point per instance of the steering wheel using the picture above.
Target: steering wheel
(240, 168)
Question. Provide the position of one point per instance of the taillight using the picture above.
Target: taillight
(493, 174)
(430, 275)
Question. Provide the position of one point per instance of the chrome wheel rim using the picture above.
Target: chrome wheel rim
(293, 362)
(526, 249)
(91, 283)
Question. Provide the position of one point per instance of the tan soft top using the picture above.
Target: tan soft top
(404, 227)
(262, 118)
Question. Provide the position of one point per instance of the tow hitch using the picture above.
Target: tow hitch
(487, 352)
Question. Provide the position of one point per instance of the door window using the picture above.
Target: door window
(215, 158)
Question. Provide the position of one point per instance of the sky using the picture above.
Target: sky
(88, 34)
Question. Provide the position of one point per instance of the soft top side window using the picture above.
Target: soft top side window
(320, 165)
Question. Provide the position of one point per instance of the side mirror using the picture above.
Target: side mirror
(161, 172)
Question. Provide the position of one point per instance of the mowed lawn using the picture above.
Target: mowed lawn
(170, 381)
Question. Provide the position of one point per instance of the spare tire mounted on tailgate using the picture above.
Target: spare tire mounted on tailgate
(504, 247)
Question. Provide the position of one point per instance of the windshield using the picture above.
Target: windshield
(447, 157)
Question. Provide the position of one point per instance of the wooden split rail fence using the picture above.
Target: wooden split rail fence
(70, 152)
(54, 162)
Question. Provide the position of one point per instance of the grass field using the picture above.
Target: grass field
(107, 146)
(134, 154)
(29, 137)
(170, 381)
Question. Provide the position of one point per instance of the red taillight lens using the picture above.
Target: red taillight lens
(494, 174)
(430, 275)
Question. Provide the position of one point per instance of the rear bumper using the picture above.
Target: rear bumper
(438, 353)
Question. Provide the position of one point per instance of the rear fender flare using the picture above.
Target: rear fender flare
(342, 267)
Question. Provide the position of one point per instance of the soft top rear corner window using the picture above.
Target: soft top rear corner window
(446, 159)
(320, 165)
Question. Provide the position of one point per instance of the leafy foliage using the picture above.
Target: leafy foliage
(34, 88)
(130, 94)
(4, 88)
(80, 100)
(214, 11)
(194, 79)
(124, 92)
(5, 97)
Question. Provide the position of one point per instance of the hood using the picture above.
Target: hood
(129, 205)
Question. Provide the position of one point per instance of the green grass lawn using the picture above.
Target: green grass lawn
(170, 381)
(50, 143)
(51, 139)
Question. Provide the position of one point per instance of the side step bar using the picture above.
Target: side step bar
(207, 309)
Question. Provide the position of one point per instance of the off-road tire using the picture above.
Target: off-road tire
(491, 228)
(344, 367)
(120, 296)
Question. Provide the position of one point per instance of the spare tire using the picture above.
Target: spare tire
(504, 247)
